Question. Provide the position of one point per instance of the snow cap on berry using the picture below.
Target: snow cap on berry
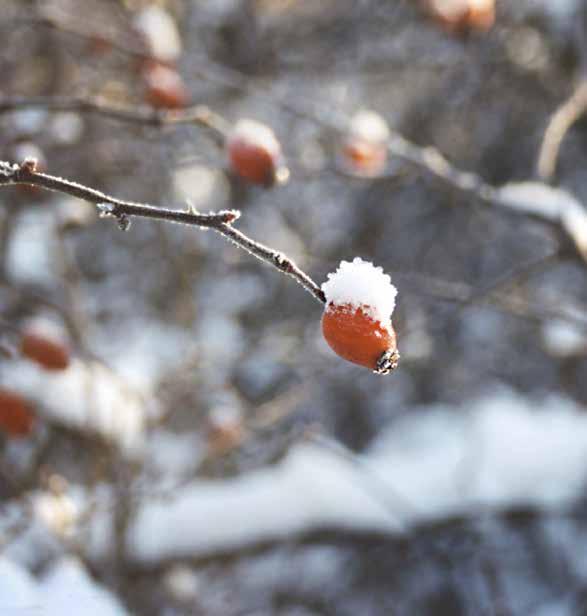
(359, 283)
(369, 126)
(160, 32)
(255, 132)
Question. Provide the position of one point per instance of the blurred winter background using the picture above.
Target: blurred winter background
(204, 452)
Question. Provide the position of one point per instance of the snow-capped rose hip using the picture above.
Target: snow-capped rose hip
(364, 150)
(254, 153)
(165, 89)
(356, 323)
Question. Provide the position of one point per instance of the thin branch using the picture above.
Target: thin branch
(122, 211)
(60, 22)
(560, 123)
(465, 295)
(196, 115)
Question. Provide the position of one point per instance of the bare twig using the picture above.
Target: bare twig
(199, 115)
(122, 211)
(466, 295)
(560, 123)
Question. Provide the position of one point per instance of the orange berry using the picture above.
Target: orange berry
(356, 323)
(354, 335)
(47, 352)
(165, 87)
(254, 153)
(364, 149)
(16, 416)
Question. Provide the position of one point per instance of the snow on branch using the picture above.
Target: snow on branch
(560, 123)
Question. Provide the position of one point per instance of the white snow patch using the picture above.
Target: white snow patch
(86, 397)
(564, 339)
(67, 586)
(505, 451)
(65, 589)
(170, 454)
(538, 199)
(29, 255)
(18, 590)
(361, 284)
(574, 222)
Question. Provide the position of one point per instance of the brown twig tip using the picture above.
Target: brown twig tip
(29, 165)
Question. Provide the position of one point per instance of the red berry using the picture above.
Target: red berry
(354, 335)
(16, 416)
(165, 87)
(49, 353)
(255, 153)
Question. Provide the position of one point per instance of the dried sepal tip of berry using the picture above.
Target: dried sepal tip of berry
(356, 323)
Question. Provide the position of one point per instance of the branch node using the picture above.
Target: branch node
(106, 210)
(229, 216)
(110, 210)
